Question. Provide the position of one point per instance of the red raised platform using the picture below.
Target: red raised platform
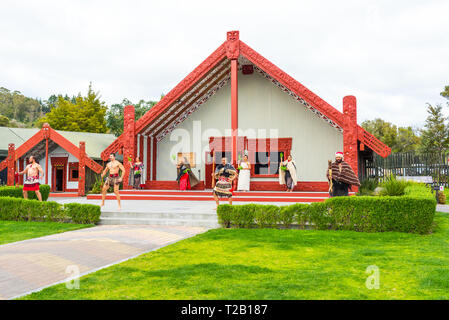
(63, 195)
(206, 195)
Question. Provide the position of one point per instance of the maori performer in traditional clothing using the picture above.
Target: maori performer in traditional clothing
(225, 173)
(341, 176)
(135, 174)
(185, 177)
(33, 171)
(287, 173)
(113, 179)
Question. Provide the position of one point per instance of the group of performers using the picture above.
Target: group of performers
(339, 174)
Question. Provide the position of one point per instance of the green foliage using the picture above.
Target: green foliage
(16, 192)
(98, 186)
(393, 187)
(243, 216)
(445, 93)
(17, 209)
(367, 187)
(4, 121)
(287, 215)
(83, 213)
(224, 212)
(415, 189)
(435, 134)
(402, 139)
(412, 214)
(84, 114)
(15, 106)
(266, 216)
(114, 115)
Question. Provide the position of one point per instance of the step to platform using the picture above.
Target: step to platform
(206, 195)
(63, 195)
(208, 220)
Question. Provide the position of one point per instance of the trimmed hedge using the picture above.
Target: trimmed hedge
(17, 209)
(16, 192)
(368, 214)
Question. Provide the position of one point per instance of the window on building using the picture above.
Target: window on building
(74, 174)
(73, 171)
(267, 163)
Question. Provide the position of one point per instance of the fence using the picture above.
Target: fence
(435, 165)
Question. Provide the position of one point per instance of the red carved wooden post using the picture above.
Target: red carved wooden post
(21, 167)
(82, 169)
(148, 164)
(11, 164)
(129, 144)
(46, 134)
(154, 157)
(350, 132)
(233, 52)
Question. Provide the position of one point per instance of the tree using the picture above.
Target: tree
(445, 93)
(4, 121)
(114, 115)
(402, 139)
(435, 134)
(407, 140)
(382, 130)
(15, 106)
(84, 114)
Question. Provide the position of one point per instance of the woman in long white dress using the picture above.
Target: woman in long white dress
(244, 175)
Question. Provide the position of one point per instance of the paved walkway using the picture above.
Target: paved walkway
(34, 264)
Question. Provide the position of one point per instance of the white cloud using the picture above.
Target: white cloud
(393, 56)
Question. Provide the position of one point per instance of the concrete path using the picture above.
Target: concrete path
(34, 264)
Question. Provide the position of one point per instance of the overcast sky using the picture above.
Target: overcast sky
(392, 55)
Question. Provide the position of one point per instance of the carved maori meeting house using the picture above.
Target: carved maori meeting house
(222, 107)
(70, 160)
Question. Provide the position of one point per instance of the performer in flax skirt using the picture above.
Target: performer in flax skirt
(136, 170)
(33, 172)
(244, 174)
(186, 178)
(114, 167)
(225, 173)
(342, 177)
(287, 173)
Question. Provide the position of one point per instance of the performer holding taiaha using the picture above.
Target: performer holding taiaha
(213, 170)
(33, 172)
(341, 177)
(113, 179)
(329, 176)
(185, 177)
(225, 173)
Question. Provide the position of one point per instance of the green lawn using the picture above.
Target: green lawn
(11, 231)
(278, 264)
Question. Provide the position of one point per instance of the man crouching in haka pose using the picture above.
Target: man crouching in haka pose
(33, 171)
(114, 167)
(225, 173)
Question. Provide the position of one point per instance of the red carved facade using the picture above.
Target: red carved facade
(350, 131)
(129, 142)
(11, 162)
(82, 169)
(152, 123)
(47, 133)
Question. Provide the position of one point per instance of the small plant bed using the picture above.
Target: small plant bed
(277, 264)
(16, 209)
(370, 214)
(17, 192)
(12, 231)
